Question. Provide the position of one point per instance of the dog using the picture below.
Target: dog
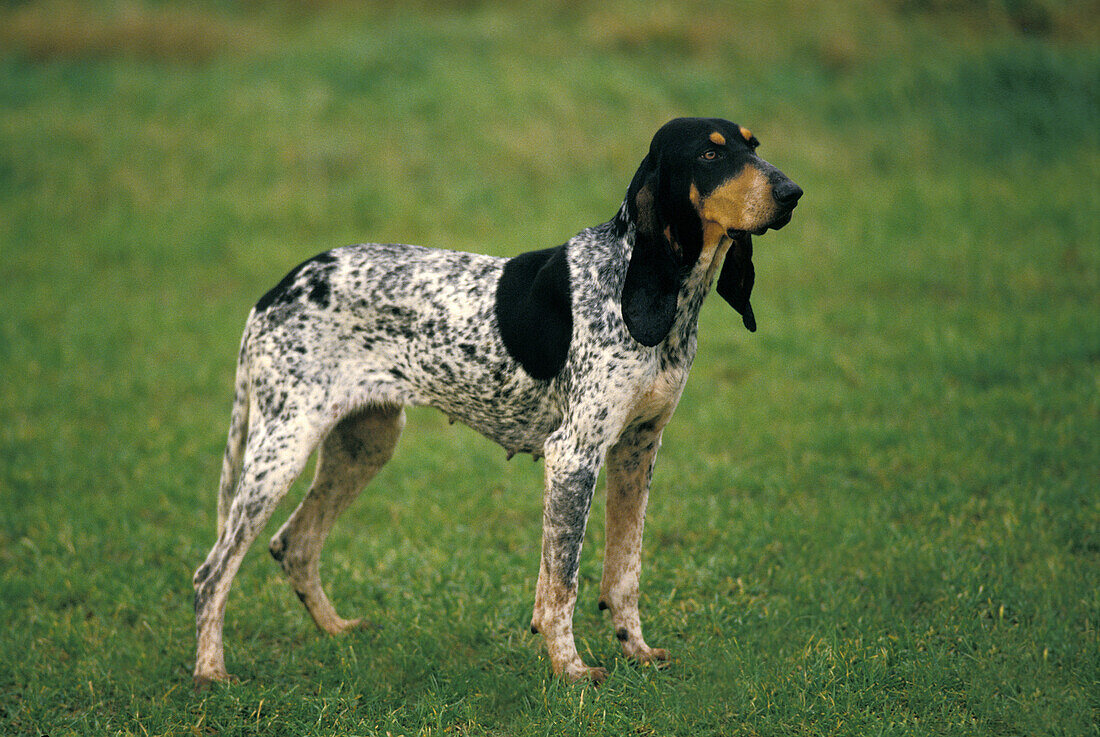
(577, 354)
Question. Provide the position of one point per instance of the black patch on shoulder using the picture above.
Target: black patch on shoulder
(320, 291)
(534, 309)
(287, 291)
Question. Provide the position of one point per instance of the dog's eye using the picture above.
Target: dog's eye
(710, 155)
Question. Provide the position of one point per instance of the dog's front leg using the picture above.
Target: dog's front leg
(629, 470)
(571, 470)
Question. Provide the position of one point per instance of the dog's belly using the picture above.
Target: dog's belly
(506, 406)
(516, 434)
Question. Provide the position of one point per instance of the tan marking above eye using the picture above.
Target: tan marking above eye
(746, 133)
(718, 138)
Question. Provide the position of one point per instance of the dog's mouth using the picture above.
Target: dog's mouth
(778, 222)
(783, 219)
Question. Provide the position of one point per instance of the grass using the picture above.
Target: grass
(877, 515)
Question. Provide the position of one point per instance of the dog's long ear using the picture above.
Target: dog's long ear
(652, 277)
(735, 281)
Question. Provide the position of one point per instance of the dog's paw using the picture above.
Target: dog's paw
(343, 626)
(581, 673)
(657, 656)
(203, 681)
(329, 623)
(643, 654)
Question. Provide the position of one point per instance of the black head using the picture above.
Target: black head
(701, 186)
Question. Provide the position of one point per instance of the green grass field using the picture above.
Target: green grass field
(878, 515)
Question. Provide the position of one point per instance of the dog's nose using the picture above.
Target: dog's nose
(786, 193)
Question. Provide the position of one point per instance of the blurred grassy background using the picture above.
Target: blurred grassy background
(878, 515)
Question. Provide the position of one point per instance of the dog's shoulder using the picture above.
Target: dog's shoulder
(534, 310)
(542, 294)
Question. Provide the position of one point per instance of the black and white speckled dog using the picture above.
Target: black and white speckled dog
(577, 353)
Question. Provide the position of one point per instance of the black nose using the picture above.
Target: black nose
(786, 193)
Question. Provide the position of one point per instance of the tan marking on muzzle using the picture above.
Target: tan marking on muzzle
(743, 202)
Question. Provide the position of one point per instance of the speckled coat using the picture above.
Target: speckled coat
(578, 354)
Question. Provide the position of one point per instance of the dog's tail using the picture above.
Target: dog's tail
(238, 435)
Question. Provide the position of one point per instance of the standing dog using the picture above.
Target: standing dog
(577, 353)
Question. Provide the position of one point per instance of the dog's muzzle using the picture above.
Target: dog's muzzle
(786, 194)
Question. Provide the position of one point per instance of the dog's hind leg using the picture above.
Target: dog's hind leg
(349, 457)
(275, 453)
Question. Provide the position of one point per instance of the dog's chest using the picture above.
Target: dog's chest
(658, 398)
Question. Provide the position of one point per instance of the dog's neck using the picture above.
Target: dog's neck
(694, 288)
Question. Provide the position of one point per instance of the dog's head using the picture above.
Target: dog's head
(701, 186)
